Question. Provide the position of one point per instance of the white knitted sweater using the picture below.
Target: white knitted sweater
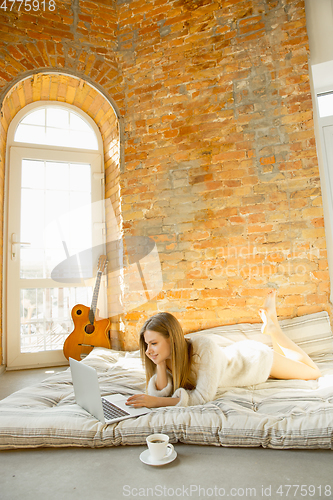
(241, 364)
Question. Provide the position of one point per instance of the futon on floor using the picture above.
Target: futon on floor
(276, 414)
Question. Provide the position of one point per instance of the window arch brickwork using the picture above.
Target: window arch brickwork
(77, 92)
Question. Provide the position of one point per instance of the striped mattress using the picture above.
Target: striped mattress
(276, 414)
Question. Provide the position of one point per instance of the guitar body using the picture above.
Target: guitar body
(86, 335)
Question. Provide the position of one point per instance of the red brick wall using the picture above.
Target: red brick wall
(219, 166)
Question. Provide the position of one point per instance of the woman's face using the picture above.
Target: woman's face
(158, 347)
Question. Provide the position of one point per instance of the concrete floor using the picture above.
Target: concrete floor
(198, 472)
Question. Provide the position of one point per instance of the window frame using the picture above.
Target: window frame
(10, 143)
(320, 122)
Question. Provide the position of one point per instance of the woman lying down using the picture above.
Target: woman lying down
(183, 372)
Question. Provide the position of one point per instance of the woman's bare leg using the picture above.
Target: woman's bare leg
(290, 361)
(286, 368)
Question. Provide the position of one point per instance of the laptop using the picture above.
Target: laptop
(107, 409)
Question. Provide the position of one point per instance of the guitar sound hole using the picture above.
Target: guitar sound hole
(89, 329)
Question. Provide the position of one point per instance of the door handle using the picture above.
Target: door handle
(14, 242)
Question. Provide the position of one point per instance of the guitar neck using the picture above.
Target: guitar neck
(95, 297)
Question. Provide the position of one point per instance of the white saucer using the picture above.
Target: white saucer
(146, 458)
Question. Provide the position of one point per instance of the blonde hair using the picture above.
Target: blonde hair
(181, 349)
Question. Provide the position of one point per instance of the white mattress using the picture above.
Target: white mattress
(276, 414)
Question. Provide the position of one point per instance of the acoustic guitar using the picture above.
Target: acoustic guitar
(88, 331)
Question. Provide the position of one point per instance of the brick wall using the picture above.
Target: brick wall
(219, 167)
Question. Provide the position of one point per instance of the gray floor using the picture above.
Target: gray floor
(198, 471)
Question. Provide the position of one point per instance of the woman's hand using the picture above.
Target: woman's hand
(139, 400)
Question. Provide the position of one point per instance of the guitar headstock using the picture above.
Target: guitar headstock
(102, 261)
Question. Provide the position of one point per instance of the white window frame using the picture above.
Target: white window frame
(10, 143)
(325, 177)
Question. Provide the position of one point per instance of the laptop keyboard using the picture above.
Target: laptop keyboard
(112, 411)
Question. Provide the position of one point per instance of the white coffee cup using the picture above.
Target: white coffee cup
(159, 446)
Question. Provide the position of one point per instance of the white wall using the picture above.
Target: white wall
(319, 21)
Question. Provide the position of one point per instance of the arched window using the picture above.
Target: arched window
(56, 126)
(55, 215)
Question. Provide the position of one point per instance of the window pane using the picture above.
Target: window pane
(80, 177)
(57, 137)
(56, 126)
(33, 134)
(52, 213)
(32, 260)
(82, 139)
(32, 216)
(33, 174)
(77, 123)
(325, 104)
(57, 117)
(35, 117)
(57, 176)
(46, 316)
(57, 203)
(80, 211)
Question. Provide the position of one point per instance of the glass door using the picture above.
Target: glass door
(52, 218)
